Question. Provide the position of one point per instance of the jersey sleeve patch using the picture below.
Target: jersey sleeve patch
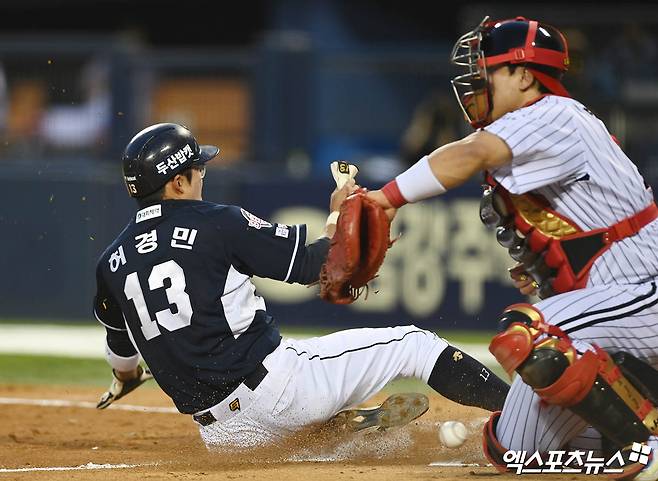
(254, 221)
(262, 248)
(282, 230)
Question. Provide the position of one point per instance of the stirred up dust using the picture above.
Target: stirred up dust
(168, 446)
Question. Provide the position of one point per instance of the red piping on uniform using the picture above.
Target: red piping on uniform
(535, 100)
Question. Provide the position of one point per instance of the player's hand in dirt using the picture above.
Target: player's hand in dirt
(122, 384)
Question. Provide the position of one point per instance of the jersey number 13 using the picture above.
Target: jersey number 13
(176, 295)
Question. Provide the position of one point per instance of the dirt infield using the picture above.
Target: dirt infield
(167, 446)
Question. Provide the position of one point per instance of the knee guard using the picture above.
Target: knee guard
(591, 385)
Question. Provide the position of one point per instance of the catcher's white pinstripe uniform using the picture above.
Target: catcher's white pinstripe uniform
(564, 153)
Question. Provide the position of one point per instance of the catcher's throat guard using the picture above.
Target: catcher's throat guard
(590, 384)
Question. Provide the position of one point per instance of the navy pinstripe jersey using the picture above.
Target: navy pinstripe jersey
(562, 152)
(177, 282)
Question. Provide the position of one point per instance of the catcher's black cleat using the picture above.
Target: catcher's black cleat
(397, 410)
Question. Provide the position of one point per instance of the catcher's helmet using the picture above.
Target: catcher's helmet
(540, 47)
(157, 154)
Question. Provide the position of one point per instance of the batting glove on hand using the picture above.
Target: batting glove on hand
(343, 172)
(118, 388)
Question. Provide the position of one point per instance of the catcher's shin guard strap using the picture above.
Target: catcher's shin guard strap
(642, 375)
(493, 450)
(637, 405)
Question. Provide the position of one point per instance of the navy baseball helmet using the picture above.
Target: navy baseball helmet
(157, 154)
(541, 48)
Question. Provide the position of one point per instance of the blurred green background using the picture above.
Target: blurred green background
(76, 368)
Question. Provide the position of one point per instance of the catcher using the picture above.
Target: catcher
(175, 287)
(575, 214)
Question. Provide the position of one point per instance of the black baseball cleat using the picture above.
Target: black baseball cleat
(397, 410)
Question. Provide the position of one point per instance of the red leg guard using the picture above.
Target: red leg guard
(493, 450)
(574, 384)
(544, 356)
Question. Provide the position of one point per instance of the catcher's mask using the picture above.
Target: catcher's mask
(541, 48)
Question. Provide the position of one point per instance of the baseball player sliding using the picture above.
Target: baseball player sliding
(576, 215)
(175, 287)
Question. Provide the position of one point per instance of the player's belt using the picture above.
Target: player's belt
(252, 381)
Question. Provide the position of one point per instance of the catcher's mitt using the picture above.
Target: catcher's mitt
(357, 249)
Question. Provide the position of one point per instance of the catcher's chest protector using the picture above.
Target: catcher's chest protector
(553, 249)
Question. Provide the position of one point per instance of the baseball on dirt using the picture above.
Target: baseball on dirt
(452, 434)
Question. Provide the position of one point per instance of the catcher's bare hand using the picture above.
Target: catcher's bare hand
(379, 197)
(121, 385)
(523, 281)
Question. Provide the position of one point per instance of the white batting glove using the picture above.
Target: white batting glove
(343, 172)
(118, 388)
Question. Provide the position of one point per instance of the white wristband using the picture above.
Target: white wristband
(333, 218)
(418, 182)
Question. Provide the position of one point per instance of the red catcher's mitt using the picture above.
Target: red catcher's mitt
(357, 249)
